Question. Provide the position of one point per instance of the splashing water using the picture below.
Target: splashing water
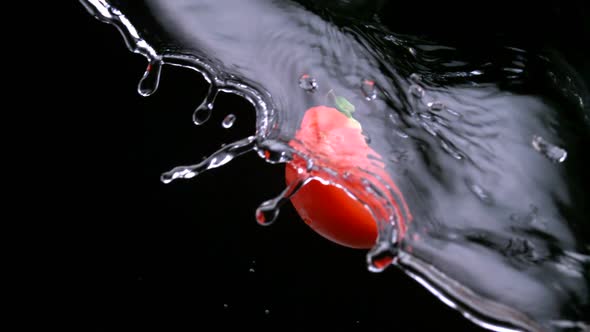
(455, 127)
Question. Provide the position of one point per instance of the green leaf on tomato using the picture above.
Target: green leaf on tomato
(344, 106)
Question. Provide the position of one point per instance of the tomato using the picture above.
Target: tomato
(335, 140)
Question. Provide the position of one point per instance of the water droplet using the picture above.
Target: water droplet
(436, 106)
(369, 89)
(476, 72)
(416, 77)
(308, 83)
(552, 152)
(269, 210)
(480, 193)
(380, 257)
(203, 112)
(267, 213)
(416, 91)
(251, 270)
(412, 51)
(225, 305)
(266, 311)
(228, 121)
(151, 78)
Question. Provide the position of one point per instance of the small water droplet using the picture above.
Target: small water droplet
(552, 152)
(228, 121)
(308, 83)
(436, 106)
(476, 72)
(416, 77)
(480, 193)
(151, 78)
(203, 112)
(381, 256)
(251, 270)
(412, 51)
(225, 305)
(369, 89)
(266, 214)
(266, 311)
(416, 91)
(269, 210)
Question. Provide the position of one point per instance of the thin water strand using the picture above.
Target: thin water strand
(219, 158)
(106, 13)
(269, 210)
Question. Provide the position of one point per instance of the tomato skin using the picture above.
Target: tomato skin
(336, 141)
(332, 213)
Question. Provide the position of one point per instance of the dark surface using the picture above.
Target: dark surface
(170, 257)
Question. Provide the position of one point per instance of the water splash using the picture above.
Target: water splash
(471, 132)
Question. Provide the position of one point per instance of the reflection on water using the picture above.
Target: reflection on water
(485, 144)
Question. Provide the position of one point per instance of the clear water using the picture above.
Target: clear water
(486, 145)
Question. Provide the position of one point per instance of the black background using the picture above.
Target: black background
(179, 257)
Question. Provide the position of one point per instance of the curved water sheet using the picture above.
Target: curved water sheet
(485, 145)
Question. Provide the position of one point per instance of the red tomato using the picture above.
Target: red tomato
(336, 141)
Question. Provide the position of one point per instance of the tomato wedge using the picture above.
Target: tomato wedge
(335, 139)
